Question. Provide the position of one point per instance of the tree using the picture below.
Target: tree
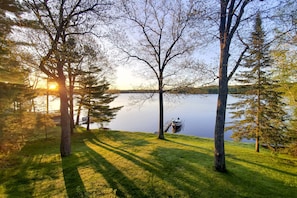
(160, 38)
(260, 114)
(74, 63)
(227, 28)
(58, 21)
(15, 94)
(285, 58)
(95, 99)
(10, 72)
(81, 54)
(231, 17)
(88, 55)
(286, 70)
(16, 120)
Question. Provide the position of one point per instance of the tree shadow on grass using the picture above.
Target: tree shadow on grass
(117, 180)
(187, 171)
(205, 150)
(198, 179)
(73, 182)
(87, 156)
(169, 160)
(29, 167)
(18, 182)
(172, 169)
(149, 165)
(286, 163)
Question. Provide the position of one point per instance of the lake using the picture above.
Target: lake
(141, 114)
(197, 112)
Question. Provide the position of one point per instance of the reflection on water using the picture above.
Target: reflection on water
(196, 111)
(53, 104)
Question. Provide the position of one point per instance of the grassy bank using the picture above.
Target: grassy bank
(124, 164)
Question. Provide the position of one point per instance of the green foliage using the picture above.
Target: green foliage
(44, 122)
(17, 128)
(15, 97)
(286, 71)
(212, 89)
(12, 75)
(9, 66)
(17, 121)
(95, 98)
(126, 164)
(259, 115)
(293, 148)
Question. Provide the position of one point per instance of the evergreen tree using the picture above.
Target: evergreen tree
(95, 99)
(9, 67)
(285, 59)
(17, 122)
(16, 95)
(260, 114)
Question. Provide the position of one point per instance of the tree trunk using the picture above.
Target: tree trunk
(71, 98)
(161, 110)
(258, 122)
(88, 120)
(259, 109)
(257, 144)
(229, 21)
(78, 114)
(219, 132)
(71, 109)
(65, 146)
(219, 154)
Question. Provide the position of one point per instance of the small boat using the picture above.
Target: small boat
(176, 125)
(84, 120)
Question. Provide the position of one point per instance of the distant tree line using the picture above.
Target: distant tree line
(214, 89)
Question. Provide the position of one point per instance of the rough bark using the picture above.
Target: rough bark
(65, 146)
(258, 112)
(161, 111)
(88, 120)
(71, 105)
(228, 25)
(220, 164)
(78, 114)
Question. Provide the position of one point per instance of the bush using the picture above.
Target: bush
(19, 127)
(293, 149)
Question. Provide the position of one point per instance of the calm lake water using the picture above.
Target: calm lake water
(140, 114)
(197, 112)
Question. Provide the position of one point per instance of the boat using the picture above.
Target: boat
(84, 120)
(176, 125)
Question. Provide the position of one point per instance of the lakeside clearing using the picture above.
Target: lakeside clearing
(126, 164)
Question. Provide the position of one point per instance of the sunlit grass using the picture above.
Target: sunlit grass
(125, 164)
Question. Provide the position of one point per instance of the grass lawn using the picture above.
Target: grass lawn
(126, 164)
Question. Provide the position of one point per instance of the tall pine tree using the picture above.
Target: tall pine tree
(15, 92)
(10, 71)
(259, 114)
(286, 71)
(95, 98)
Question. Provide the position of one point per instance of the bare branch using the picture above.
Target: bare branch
(238, 63)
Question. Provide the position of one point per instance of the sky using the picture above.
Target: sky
(127, 79)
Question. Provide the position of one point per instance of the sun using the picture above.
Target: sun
(52, 86)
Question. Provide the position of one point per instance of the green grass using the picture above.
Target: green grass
(125, 164)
